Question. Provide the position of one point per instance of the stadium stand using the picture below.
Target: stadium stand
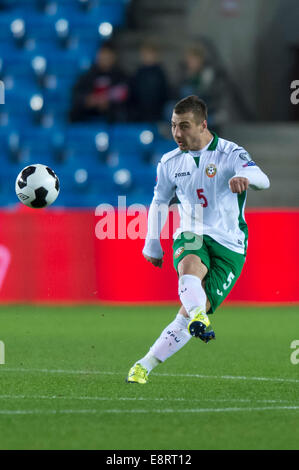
(44, 46)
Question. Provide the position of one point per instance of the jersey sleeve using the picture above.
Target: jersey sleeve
(244, 166)
(158, 213)
(164, 189)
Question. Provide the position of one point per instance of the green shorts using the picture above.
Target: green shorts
(224, 265)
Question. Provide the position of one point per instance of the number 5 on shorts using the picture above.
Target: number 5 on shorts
(227, 284)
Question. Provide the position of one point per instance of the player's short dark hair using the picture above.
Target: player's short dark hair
(192, 104)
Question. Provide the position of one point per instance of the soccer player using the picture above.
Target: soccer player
(212, 174)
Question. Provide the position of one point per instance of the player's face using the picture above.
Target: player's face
(186, 131)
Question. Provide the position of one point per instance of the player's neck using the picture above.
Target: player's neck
(205, 139)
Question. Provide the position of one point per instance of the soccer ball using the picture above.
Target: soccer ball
(37, 186)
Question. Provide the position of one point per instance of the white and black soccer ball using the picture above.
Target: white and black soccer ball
(37, 186)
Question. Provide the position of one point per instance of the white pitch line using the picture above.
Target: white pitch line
(232, 377)
(204, 410)
(143, 399)
(140, 411)
(200, 376)
(59, 371)
(46, 412)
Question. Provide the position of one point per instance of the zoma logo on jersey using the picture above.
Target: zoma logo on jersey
(185, 173)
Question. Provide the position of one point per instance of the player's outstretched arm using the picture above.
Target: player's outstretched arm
(157, 216)
(246, 173)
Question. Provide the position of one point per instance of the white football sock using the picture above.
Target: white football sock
(191, 293)
(171, 340)
(149, 362)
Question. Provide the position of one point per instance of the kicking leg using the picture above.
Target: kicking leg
(193, 296)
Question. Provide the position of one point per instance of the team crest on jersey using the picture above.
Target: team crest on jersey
(179, 251)
(211, 170)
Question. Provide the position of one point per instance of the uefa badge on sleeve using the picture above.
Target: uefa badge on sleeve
(211, 170)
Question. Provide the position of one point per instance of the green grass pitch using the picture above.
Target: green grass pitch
(63, 382)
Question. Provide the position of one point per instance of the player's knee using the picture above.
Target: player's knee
(192, 264)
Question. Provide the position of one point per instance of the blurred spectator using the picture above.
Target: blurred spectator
(149, 86)
(102, 91)
(200, 78)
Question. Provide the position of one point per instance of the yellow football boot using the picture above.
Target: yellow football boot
(200, 326)
(137, 375)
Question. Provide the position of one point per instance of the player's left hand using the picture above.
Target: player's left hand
(238, 184)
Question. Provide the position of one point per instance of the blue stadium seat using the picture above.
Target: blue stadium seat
(164, 145)
(127, 160)
(17, 64)
(161, 146)
(65, 63)
(38, 25)
(17, 100)
(81, 180)
(90, 139)
(132, 139)
(32, 145)
(145, 178)
(6, 18)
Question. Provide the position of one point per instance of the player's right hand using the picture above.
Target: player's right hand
(155, 261)
(238, 184)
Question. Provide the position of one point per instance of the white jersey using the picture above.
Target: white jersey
(201, 179)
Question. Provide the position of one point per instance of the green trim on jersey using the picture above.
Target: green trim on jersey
(196, 159)
(212, 146)
(214, 142)
(242, 224)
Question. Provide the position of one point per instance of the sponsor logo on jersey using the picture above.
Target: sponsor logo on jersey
(184, 173)
(251, 163)
(179, 251)
(211, 170)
